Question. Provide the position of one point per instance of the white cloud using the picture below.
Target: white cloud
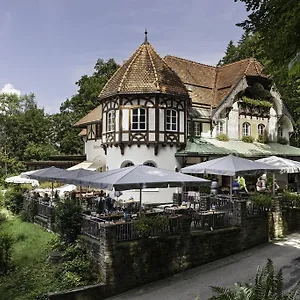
(9, 89)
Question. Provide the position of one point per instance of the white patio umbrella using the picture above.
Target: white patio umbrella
(229, 165)
(139, 177)
(47, 174)
(20, 180)
(283, 164)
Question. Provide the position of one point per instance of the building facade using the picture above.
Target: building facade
(170, 112)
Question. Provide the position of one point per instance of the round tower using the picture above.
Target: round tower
(144, 107)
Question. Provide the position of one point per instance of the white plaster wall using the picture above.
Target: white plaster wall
(181, 115)
(215, 130)
(151, 118)
(125, 122)
(138, 155)
(161, 120)
(93, 149)
(233, 122)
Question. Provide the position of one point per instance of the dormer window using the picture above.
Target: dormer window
(110, 121)
(220, 127)
(197, 128)
(171, 120)
(138, 119)
(246, 129)
(261, 129)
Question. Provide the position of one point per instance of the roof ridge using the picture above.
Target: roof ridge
(191, 61)
(233, 63)
(134, 56)
(248, 66)
(153, 66)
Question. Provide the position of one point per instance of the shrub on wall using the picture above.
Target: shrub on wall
(14, 200)
(262, 200)
(147, 225)
(263, 138)
(222, 137)
(248, 139)
(282, 140)
(68, 220)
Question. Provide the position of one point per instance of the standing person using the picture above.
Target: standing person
(235, 186)
(261, 183)
(214, 186)
(242, 183)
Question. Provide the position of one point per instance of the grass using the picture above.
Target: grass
(31, 276)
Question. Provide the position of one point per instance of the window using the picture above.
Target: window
(171, 120)
(150, 163)
(246, 129)
(189, 127)
(261, 129)
(220, 127)
(197, 129)
(98, 130)
(138, 119)
(127, 163)
(111, 120)
(280, 131)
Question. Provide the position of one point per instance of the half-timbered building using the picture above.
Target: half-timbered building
(172, 112)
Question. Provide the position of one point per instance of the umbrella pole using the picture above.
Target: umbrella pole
(140, 208)
(273, 185)
(230, 188)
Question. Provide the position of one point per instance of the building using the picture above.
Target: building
(170, 112)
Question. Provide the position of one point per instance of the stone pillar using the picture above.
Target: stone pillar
(239, 213)
(276, 220)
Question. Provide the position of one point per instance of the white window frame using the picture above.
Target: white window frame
(220, 127)
(197, 129)
(171, 120)
(141, 125)
(261, 129)
(110, 121)
(246, 129)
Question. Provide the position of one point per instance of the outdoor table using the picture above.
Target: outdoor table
(209, 219)
(176, 210)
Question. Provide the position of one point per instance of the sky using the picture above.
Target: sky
(47, 45)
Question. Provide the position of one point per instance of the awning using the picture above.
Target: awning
(210, 146)
(88, 165)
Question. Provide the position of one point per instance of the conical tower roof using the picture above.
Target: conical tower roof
(145, 72)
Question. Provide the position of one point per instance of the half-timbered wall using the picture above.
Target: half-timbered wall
(144, 120)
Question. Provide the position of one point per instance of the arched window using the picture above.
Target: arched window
(171, 120)
(127, 163)
(150, 163)
(138, 119)
(110, 121)
(220, 127)
(261, 129)
(280, 131)
(246, 129)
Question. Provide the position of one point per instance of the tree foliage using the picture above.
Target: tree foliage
(267, 286)
(73, 109)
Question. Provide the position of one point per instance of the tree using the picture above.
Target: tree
(73, 109)
(267, 286)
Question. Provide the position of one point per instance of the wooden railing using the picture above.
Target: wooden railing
(44, 210)
(92, 227)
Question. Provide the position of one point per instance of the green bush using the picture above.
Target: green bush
(77, 267)
(146, 225)
(257, 102)
(68, 220)
(282, 140)
(291, 199)
(6, 244)
(248, 139)
(14, 199)
(262, 200)
(222, 137)
(264, 139)
(27, 214)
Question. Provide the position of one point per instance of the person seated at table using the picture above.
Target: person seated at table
(242, 183)
(235, 186)
(46, 198)
(261, 184)
(214, 186)
(101, 194)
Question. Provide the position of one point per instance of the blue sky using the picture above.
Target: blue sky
(47, 45)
